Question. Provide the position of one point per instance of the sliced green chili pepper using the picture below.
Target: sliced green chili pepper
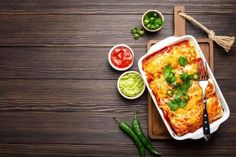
(141, 32)
(170, 92)
(146, 21)
(152, 18)
(195, 77)
(186, 97)
(134, 30)
(148, 26)
(128, 130)
(138, 131)
(136, 36)
(137, 33)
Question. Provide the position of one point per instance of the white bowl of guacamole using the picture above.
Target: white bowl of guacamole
(130, 85)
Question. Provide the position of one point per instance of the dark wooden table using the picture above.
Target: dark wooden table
(58, 94)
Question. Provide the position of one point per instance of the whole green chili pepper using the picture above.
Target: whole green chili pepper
(138, 131)
(128, 130)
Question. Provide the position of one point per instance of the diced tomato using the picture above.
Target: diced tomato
(121, 57)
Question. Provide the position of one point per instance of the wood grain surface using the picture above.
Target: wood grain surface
(58, 94)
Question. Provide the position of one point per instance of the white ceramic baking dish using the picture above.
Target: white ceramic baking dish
(199, 132)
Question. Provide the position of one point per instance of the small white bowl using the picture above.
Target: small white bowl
(161, 16)
(118, 82)
(109, 57)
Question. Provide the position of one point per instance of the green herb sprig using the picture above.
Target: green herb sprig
(169, 74)
(182, 61)
(181, 97)
(180, 90)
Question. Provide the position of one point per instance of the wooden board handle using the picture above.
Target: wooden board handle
(179, 22)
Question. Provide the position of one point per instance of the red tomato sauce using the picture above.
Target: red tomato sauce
(121, 57)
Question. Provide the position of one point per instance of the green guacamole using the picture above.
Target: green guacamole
(131, 84)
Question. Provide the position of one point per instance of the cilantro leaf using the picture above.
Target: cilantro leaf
(185, 77)
(182, 103)
(178, 95)
(182, 61)
(181, 89)
(173, 105)
(169, 74)
(181, 98)
(167, 70)
(177, 103)
(185, 87)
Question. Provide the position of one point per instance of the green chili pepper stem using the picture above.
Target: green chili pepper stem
(138, 131)
(117, 120)
(128, 130)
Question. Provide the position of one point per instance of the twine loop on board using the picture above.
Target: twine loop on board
(224, 41)
(211, 34)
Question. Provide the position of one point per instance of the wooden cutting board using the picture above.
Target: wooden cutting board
(156, 127)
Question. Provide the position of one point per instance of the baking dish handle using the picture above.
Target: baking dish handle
(161, 44)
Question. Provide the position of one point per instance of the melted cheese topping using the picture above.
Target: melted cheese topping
(189, 118)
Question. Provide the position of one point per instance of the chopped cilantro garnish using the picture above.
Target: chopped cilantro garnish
(185, 77)
(182, 103)
(173, 105)
(182, 61)
(167, 70)
(182, 88)
(185, 86)
(180, 93)
(181, 98)
(169, 74)
(176, 103)
(179, 89)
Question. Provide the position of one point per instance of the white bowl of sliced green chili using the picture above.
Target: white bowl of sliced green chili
(152, 20)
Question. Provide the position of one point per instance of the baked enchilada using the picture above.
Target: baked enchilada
(173, 75)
